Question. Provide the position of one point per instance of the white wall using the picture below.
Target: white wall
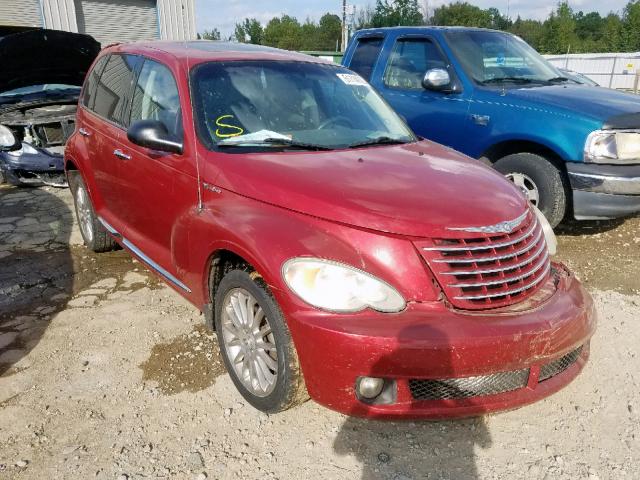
(613, 70)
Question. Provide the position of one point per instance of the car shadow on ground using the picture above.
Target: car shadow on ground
(36, 269)
(589, 227)
(414, 449)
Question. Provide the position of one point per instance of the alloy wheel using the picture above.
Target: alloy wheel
(85, 216)
(249, 342)
(527, 185)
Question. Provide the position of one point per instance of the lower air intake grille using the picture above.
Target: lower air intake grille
(450, 388)
(560, 365)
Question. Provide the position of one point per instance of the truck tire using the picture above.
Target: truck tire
(541, 180)
(95, 236)
(255, 343)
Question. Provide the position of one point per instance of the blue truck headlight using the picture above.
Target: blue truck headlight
(613, 146)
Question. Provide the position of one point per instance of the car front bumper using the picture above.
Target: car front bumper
(34, 169)
(429, 344)
(604, 191)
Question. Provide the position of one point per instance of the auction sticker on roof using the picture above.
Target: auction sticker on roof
(351, 79)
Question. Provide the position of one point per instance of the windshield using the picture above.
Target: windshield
(500, 58)
(290, 104)
(48, 87)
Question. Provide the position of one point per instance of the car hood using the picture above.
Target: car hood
(37, 57)
(598, 103)
(416, 189)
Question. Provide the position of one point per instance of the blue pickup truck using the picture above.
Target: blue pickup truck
(574, 149)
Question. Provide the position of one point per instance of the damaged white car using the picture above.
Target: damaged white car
(40, 80)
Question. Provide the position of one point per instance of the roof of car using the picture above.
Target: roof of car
(426, 28)
(199, 50)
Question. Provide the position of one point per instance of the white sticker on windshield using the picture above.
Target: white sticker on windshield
(352, 79)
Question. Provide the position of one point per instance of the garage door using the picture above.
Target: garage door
(24, 13)
(111, 21)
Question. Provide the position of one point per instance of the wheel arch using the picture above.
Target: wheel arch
(509, 147)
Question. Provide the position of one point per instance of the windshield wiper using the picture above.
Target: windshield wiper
(383, 140)
(507, 80)
(273, 142)
(558, 80)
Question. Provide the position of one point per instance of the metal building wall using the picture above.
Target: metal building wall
(177, 19)
(22, 13)
(613, 70)
(59, 15)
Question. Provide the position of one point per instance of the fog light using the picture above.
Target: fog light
(370, 387)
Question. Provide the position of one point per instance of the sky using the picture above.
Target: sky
(224, 14)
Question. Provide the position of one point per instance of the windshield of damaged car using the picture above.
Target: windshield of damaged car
(48, 87)
(275, 104)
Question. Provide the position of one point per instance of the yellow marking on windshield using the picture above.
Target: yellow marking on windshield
(219, 134)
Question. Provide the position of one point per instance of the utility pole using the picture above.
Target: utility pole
(343, 46)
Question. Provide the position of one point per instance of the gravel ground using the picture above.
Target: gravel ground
(106, 373)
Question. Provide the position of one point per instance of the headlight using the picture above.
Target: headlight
(549, 235)
(7, 139)
(337, 287)
(613, 146)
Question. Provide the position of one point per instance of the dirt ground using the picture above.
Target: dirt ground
(106, 373)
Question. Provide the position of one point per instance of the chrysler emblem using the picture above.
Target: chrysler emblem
(502, 227)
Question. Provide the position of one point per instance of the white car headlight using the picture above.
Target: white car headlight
(7, 139)
(339, 288)
(549, 235)
(613, 146)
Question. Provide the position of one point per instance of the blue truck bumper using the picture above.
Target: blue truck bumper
(604, 191)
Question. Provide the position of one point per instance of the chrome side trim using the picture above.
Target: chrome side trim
(109, 228)
(487, 246)
(495, 257)
(143, 257)
(508, 292)
(538, 266)
(496, 270)
(154, 265)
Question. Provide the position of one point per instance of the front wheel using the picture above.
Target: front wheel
(255, 343)
(540, 180)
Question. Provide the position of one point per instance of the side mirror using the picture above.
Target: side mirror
(153, 134)
(436, 79)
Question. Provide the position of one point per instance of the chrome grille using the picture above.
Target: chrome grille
(468, 387)
(489, 270)
(552, 369)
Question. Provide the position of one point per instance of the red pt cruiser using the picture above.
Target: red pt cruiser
(335, 254)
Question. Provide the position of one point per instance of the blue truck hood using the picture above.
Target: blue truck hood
(613, 108)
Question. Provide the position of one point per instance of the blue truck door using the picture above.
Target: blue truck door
(438, 116)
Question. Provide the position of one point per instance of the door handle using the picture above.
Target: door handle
(120, 154)
(84, 132)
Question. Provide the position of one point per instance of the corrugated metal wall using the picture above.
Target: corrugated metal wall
(177, 19)
(107, 20)
(60, 15)
(613, 70)
(117, 21)
(24, 13)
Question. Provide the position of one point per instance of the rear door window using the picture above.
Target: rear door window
(88, 94)
(113, 88)
(366, 55)
(410, 60)
(156, 98)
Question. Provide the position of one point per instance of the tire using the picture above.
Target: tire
(269, 329)
(95, 236)
(3, 178)
(534, 171)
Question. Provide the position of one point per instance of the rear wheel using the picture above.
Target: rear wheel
(95, 236)
(255, 343)
(540, 180)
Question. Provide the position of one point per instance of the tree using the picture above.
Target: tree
(612, 34)
(249, 31)
(329, 32)
(210, 34)
(463, 14)
(394, 13)
(631, 27)
(531, 31)
(284, 32)
(560, 31)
